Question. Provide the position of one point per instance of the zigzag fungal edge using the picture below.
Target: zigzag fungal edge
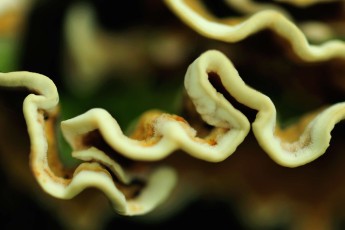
(311, 144)
(194, 14)
(230, 128)
(216, 111)
(87, 174)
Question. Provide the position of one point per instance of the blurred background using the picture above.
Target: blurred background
(128, 57)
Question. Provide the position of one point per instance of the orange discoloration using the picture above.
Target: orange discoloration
(212, 142)
(293, 132)
(178, 118)
(144, 131)
(54, 169)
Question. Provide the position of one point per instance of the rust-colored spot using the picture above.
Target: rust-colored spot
(53, 168)
(212, 142)
(36, 173)
(178, 118)
(144, 131)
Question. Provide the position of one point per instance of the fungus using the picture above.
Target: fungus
(163, 158)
